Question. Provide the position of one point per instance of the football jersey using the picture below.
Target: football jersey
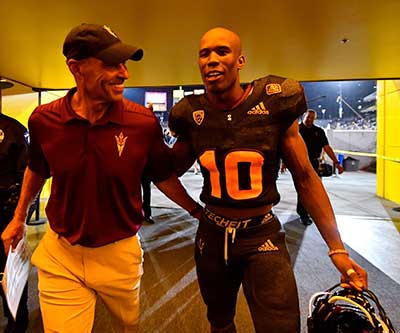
(238, 149)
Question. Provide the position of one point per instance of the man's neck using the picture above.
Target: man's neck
(87, 108)
(228, 100)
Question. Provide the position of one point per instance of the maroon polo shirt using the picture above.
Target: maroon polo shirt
(96, 168)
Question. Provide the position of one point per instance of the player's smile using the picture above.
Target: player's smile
(213, 75)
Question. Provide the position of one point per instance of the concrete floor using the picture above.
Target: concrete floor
(170, 298)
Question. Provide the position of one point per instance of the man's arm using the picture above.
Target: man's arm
(328, 149)
(15, 230)
(174, 190)
(183, 157)
(315, 199)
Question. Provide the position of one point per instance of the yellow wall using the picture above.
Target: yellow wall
(388, 140)
(20, 106)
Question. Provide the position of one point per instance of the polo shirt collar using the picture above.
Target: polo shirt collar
(114, 113)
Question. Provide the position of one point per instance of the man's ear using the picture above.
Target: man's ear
(241, 61)
(74, 66)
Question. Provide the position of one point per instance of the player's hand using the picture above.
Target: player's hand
(340, 168)
(13, 233)
(353, 275)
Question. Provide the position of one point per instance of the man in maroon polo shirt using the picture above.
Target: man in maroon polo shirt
(95, 145)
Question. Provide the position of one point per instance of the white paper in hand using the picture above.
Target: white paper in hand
(16, 274)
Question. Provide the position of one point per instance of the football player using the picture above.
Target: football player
(238, 136)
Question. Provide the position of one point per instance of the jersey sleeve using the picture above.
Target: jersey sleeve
(324, 139)
(179, 125)
(177, 119)
(292, 102)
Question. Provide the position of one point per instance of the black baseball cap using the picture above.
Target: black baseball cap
(98, 41)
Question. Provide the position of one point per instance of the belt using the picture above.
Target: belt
(231, 225)
(226, 222)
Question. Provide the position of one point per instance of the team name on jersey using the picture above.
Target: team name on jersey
(258, 109)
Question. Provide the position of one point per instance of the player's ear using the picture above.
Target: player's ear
(241, 61)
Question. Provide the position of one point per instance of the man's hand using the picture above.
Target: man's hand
(353, 275)
(197, 212)
(198, 215)
(339, 167)
(13, 233)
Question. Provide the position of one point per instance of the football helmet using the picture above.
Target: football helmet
(344, 310)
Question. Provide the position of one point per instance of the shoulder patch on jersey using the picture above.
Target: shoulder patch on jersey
(198, 116)
(291, 87)
(273, 88)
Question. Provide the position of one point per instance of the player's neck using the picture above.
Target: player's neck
(229, 100)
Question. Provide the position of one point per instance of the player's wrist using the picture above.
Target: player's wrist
(19, 218)
(337, 251)
(196, 210)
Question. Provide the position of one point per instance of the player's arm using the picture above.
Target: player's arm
(31, 185)
(328, 149)
(179, 126)
(183, 156)
(315, 199)
(174, 190)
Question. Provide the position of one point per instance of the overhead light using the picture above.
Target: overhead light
(5, 84)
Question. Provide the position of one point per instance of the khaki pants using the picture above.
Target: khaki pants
(71, 277)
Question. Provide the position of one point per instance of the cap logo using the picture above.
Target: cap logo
(198, 116)
(273, 88)
(108, 29)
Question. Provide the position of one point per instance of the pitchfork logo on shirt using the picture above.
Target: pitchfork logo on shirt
(121, 140)
(198, 116)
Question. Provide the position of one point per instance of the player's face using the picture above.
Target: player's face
(102, 82)
(220, 60)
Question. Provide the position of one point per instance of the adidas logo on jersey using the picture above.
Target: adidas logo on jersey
(268, 246)
(258, 109)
